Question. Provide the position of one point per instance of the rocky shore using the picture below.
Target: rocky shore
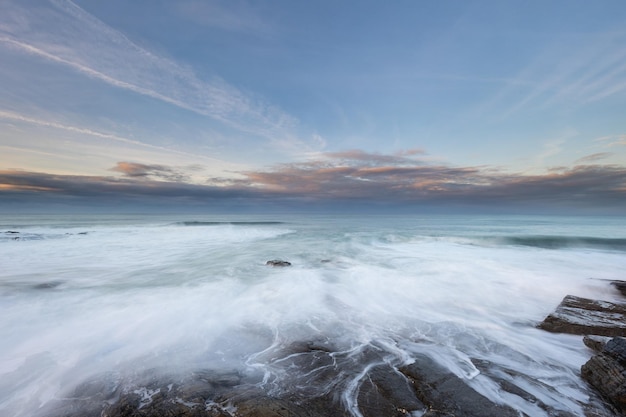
(370, 386)
(606, 371)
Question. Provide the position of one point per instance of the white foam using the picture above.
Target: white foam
(134, 298)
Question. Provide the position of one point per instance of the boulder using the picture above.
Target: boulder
(582, 316)
(606, 372)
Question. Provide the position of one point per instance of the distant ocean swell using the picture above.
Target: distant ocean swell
(233, 223)
(542, 242)
(562, 242)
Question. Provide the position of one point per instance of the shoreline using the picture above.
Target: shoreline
(375, 387)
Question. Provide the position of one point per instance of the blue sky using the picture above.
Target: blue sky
(408, 102)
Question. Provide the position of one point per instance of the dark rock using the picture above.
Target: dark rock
(607, 374)
(620, 286)
(11, 232)
(445, 394)
(595, 343)
(387, 393)
(273, 407)
(576, 315)
(277, 262)
(616, 348)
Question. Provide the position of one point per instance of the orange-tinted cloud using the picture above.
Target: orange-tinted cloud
(161, 172)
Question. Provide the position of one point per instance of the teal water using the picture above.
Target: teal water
(83, 295)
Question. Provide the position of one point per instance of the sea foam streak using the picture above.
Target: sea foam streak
(92, 297)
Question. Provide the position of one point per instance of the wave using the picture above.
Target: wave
(564, 242)
(236, 223)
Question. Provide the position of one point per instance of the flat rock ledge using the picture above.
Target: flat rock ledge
(582, 316)
(603, 325)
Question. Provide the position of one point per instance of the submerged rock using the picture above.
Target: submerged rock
(277, 262)
(47, 285)
(620, 286)
(582, 316)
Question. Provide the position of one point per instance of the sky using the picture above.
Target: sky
(255, 106)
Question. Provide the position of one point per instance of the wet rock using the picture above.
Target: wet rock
(315, 379)
(606, 372)
(273, 407)
(387, 393)
(316, 376)
(191, 398)
(576, 315)
(508, 381)
(277, 262)
(445, 394)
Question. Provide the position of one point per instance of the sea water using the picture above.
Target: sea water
(86, 296)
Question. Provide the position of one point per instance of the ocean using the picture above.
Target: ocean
(113, 297)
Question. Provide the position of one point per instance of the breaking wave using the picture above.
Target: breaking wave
(565, 242)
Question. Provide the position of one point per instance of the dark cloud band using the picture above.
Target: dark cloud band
(334, 178)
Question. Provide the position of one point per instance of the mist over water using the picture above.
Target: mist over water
(114, 297)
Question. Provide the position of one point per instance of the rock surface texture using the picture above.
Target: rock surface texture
(598, 321)
(607, 372)
(583, 316)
